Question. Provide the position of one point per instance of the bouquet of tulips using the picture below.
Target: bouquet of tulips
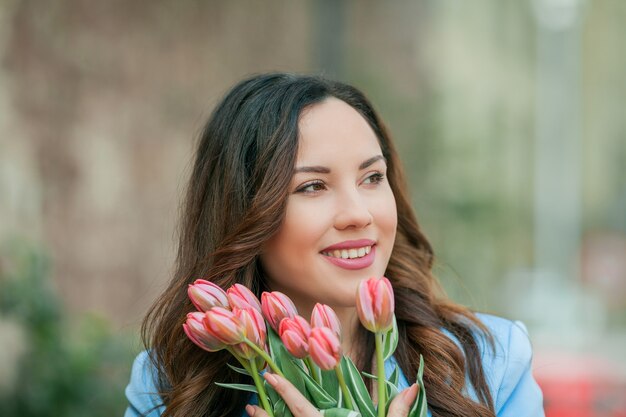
(307, 353)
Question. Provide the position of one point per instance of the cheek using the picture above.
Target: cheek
(386, 215)
(297, 241)
(303, 227)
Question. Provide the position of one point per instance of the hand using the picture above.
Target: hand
(301, 407)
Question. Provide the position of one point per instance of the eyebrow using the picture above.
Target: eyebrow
(324, 170)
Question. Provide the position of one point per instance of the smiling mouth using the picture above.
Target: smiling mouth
(352, 253)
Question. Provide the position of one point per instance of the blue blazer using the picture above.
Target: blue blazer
(508, 373)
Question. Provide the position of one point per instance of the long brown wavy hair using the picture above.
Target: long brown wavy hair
(235, 201)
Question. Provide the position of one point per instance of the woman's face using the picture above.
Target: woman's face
(340, 221)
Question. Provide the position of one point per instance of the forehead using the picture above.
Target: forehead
(333, 128)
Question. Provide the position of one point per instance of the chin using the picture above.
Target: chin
(342, 298)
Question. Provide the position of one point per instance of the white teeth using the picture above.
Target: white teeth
(349, 253)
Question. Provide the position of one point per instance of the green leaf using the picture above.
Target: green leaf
(357, 388)
(330, 384)
(395, 376)
(420, 407)
(420, 371)
(339, 412)
(390, 340)
(239, 370)
(374, 377)
(392, 385)
(275, 344)
(318, 396)
(281, 409)
(297, 373)
(273, 396)
(293, 373)
(241, 387)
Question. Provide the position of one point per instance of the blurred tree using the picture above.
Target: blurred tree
(69, 366)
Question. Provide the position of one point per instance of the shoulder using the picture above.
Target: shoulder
(141, 392)
(508, 368)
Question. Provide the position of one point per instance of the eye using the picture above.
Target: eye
(375, 178)
(311, 187)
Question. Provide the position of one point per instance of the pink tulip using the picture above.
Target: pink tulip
(324, 316)
(254, 330)
(195, 330)
(277, 306)
(240, 296)
(375, 304)
(295, 332)
(224, 325)
(324, 348)
(205, 295)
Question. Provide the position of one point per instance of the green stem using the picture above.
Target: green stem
(265, 356)
(243, 362)
(380, 370)
(259, 387)
(344, 388)
(313, 370)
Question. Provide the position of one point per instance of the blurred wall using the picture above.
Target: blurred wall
(104, 101)
(101, 101)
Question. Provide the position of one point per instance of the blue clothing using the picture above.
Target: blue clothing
(508, 373)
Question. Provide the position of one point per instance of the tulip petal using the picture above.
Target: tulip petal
(324, 347)
(253, 325)
(375, 304)
(197, 333)
(240, 296)
(324, 316)
(364, 305)
(321, 356)
(277, 306)
(205, 295)
(295, 344)
(224, 325)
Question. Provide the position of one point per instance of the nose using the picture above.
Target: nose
(353, 211)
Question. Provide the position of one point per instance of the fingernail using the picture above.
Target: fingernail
(410, 394)
(270, 378)
(250, 410)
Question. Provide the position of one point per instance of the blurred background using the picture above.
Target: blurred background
(509, 116)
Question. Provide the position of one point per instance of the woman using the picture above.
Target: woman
(297, 187)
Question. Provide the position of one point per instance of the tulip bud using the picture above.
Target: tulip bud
(195, 330)
(324, 316)
(375, 304)
(277, 306)
(205, 295)
(324, 348)
(254, 329)
(295, 332)
(224, 325)
(240, 296)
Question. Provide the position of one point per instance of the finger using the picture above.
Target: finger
(401, 404)
(255, 411)
(297, 403)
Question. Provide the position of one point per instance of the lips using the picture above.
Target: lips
(351, 254)
(350, 244)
